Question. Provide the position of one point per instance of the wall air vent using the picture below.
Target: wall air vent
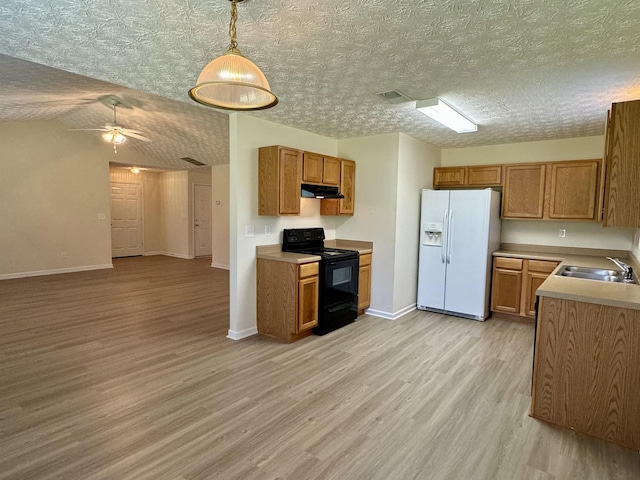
(192, 161)
(394, 97)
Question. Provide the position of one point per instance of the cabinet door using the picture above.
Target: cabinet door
(573, 190)
(534, 280)
(290, 172)
(364, 282)
(622, 195)
(484, 176)
(523, 192)
(331, 171)
(506, 285)
(448, 177)
(312, 167)
(347, 186)
(307, 303)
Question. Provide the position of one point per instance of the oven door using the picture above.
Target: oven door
(340, 281)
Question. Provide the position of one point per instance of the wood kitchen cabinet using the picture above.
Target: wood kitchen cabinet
(523, 191)
(364, 283)
(472, 176)
(622, 168)
(342, 206)
(585, 369)
(566, 190)
(279, 178)
(287, 305)
(514, 284)
(320, 169)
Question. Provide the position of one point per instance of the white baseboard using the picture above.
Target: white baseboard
(219, 265)
(169, 254)
(240, 334)
(388, 315)
(9, 276)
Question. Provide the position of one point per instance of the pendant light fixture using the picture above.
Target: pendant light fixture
(232, 81)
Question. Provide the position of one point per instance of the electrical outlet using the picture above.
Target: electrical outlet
(267, 229)
(248, 231)
(562, 233)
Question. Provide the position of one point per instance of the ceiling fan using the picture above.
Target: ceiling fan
(115, 133)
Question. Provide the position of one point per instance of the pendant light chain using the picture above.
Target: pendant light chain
(232, 25)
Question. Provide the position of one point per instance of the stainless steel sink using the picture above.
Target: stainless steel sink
(599, 274)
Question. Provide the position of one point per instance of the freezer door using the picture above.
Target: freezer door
(432, 262)
(467, 252)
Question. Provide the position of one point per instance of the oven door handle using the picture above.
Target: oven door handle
(340, 306)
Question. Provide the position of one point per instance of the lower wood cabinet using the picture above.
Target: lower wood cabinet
(585, 369)
(364, 283)
(287, 306)
(514, 284)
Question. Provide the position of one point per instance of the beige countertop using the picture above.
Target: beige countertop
(582, 290)
(274, 252)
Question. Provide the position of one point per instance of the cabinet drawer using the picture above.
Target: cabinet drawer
(508, 263)
(365, 259)
(308, 270)
(543, 266)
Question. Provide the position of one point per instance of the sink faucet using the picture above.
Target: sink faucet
(626, 269)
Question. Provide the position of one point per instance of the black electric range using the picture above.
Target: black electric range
(338, 295)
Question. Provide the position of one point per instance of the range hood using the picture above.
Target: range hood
(308, 190)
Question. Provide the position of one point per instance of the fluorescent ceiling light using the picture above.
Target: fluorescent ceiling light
(446, 115)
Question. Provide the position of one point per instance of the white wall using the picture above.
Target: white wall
(416, 160)
(579, 234)
(220, 216)
(247, 133)
(581, 148)
(391, 170)
(54, 184)
(375, 209)
(175, 213)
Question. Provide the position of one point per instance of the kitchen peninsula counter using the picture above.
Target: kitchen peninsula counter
(581, 290)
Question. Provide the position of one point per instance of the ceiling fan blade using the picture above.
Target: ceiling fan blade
(89, 130)
(137, 136)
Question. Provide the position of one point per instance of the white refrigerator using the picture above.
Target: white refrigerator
(459, 230)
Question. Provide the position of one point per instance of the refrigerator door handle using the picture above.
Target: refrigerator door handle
(449, 234)
(445, 237)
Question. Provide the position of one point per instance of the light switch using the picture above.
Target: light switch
(267, 229)
(248, 231)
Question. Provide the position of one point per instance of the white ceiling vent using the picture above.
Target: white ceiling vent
(394, 97)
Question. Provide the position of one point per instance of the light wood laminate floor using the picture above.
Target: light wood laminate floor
(127, 374)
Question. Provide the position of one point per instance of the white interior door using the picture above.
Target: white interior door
(126, 220)
(202, 219)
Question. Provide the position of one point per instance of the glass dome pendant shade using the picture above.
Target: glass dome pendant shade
(232, 81)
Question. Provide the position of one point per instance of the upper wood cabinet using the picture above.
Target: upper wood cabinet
(551, 191)
(279, 178)
(622, 175)
(343, 206)
(523, 191)
(573, 190)
(320, 169)
(448, 177)
(474, 176)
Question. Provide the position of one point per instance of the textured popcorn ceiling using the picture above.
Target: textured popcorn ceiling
(523, 70)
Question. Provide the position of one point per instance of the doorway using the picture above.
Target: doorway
(202, 224)
(126, 220)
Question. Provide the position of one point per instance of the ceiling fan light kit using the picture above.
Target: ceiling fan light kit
(232, 81)
(446, 115)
